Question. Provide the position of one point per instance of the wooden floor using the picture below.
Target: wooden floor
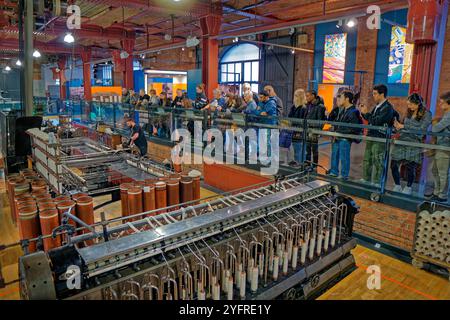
(399, 280)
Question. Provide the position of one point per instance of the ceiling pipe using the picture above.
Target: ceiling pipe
(354, 12)
(279, 45)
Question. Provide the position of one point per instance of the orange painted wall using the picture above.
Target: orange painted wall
(110, 90)
(227, 178)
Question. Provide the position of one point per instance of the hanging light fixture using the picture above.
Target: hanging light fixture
(69, 38)
(36, 53)
(7, 68)
(18, 63)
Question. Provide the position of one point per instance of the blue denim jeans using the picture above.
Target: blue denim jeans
(340, 153)
(298, 146)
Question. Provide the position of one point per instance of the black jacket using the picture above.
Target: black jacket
(315, 111)
(383, 117)
(349, 115)
(299, 113)
(176, 102)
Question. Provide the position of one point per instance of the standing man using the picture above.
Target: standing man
(125, 96)
(340, 150)
(382, 116)
(315, 110)
(137, 136)
(441, 159)
(271, 91)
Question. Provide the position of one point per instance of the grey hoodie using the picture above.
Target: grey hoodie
(443, 126)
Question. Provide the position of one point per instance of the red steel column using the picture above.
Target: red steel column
(210, 25)
(62, 77)
(128, 46)
(425, 18)
(86, 56)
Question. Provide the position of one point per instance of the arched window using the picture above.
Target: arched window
(240, 64)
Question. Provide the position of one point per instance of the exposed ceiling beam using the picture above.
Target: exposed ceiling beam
(354, 11)
(249, 14)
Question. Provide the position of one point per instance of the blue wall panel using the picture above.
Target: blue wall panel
(383, 46)
(324, 29)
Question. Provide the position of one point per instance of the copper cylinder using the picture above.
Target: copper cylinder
(25, 203)
(186, 189)
(85, 209)
(173, 193)
(39, 185)
(196, 187)
(18, 188)
(61, 198)
(25, 197)
(160, 195)
(63, 207)
(42, 196)
(85, 212)
(149, 197)
(29, 226)
(175, 176)
(39, 192)
(79, 195)
(139, 184)
(124, 197)
(49, 220)
(135, 202)
(47, 205)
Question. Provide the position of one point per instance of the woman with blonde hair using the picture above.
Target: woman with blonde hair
(298, 111)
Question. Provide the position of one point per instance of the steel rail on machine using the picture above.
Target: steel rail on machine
(177, 233)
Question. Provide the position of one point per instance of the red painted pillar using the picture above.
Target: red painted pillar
(128, 46)
(62, 77)
(210, 52)
(86, 56)
(425, 19)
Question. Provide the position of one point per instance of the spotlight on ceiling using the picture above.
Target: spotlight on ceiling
(7, 68)
(36, 53)
(182, 49)
(192, 41)
(351, 23)
(69, 38)
(293, 51)
(18, 63)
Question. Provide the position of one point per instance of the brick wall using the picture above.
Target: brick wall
(366, 53)
(174, 60)
(304, 60)
(385, 223)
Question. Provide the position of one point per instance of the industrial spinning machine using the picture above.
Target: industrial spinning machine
(83, 165)
(289, 240)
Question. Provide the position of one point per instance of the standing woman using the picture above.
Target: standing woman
(417, 119)
(164, 101)
(298, 112)
(201, 100)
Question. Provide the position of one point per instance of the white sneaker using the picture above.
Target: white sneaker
(407, 190)
(397, 188)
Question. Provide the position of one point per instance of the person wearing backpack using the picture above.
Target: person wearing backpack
(315, 110)
(341, 146)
